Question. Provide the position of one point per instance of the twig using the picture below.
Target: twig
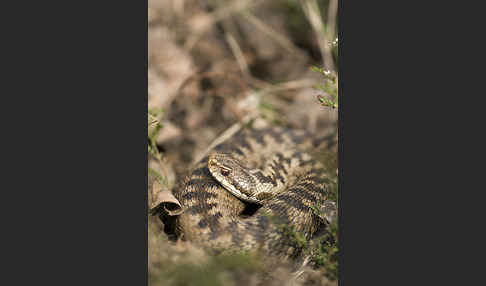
(311, 10)
(331, 19)
(240, 59)
(295, 84)
(219, 15)
(220, 139)
(284, 42)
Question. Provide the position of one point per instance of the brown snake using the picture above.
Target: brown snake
(270, 167)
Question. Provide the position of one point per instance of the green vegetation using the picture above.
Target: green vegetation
(154, 127)
(325, 252)
(329, 87)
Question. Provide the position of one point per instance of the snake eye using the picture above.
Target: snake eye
(225, 172)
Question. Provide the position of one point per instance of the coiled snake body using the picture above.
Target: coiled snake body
(269, 167)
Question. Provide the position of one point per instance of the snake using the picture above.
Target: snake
(270, 170)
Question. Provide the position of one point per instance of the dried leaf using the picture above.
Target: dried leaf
(152, 120)
(165, 198)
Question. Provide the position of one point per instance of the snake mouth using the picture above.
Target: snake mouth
(237, 193)
(214, 169)
(242, 196)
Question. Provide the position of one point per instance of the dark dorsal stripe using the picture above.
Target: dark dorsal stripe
(198, 194)
(201, 208)
(242, 141)
(276, 134)
(262, 178)
(292, 201)
(239, 152)
(200, 184)
(203, 171)
(211, 221)
(311, 193)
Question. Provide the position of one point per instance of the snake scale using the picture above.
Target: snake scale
(212, 215)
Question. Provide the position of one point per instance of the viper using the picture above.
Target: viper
(269, 170)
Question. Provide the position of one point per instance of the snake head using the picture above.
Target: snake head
(231, 173)
(222, 164)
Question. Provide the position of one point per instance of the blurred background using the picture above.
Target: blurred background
(215, 64)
